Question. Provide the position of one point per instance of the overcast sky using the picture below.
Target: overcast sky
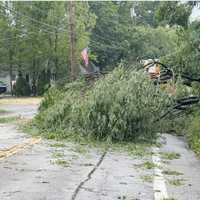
(195, 14)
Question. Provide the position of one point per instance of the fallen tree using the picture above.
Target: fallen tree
(122, 106)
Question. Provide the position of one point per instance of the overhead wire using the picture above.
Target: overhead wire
(40, 28)
(19, 35)
(31, 18)
(42, 11)
(48, 26)
(28, 33)
(56, 27)
(110, 46)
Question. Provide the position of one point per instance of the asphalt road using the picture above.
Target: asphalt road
(51, 170)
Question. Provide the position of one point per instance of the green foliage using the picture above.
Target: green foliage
(117, 37)
(155, 42)
(176, 122)
(55, 93)
(145, 12)
(185, 57)
(8, 119)
(183, 90)
(147, 165)
(177, 182)
(22, 87)
(173, 13)
(39, 38)
(123, 106)
(170, 155)
(193, 132)
(50, 97)
(43, 82)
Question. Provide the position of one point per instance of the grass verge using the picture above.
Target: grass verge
(172, 172)
(170, 155)
(85, 143)
(2, 111)
(193, 133)
(176, 182)
(147, 178)
(12, 119)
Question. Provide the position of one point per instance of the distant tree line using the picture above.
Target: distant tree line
(34, 38)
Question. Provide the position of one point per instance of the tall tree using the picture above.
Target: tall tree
(144, 12)
(38, 38)
(173, 13)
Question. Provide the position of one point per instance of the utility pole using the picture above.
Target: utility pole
(72, 41)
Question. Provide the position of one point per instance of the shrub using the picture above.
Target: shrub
(193, 133)
(122, 106)
(22, 87)
(55, 93)
(43, 82)
(50, 97)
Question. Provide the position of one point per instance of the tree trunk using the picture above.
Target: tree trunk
(72, 41)
(55, 51)
(11, 70)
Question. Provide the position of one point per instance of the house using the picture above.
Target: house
(6, 79)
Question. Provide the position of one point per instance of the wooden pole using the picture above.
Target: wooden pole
(72, 41)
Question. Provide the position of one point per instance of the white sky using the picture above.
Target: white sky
(195, 14)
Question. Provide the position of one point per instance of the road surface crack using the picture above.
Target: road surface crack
(89, 176)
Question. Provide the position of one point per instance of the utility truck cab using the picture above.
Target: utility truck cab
(152, 68)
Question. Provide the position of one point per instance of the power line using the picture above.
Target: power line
(45, 30)
(19, 36)
(7, 39)
(108, 43)
(42, 11)
(27, 33)
(32, 19)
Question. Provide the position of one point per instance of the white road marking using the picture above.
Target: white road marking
(159, 186)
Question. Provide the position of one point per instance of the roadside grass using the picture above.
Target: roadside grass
(147, 178)
(176, 182)
(83, 144)
(147, 165)
(57, 145)
(133, 149)
(170, 198)
(172, 173)
(2, 111)
(21, 100)
(58, 154)
(170, 155)
(4, 120)
(81, 149)
(193, 133)
(61, 162)
(134, 198)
